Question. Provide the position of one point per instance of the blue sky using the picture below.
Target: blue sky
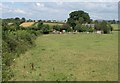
(58, 10)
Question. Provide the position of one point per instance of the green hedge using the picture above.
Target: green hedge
(13, 44)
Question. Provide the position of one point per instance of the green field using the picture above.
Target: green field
(70, 57)
(53, 24)
(115, 26)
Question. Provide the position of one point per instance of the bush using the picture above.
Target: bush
(77, 28)
(103, 26)
(15, 40)
(57, 27)
(90, 29)
(6, 73)
(66, 27)
(83, 28)
(40, 25)
(46, 29)
(110, 27)
(13, 44)
(97, 26)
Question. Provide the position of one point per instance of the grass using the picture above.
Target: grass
(81, 57)
(53, 24)
(115, 26)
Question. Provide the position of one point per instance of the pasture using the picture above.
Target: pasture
(115, 26)
(81, 57)
(53, 24)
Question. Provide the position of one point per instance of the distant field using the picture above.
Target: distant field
(81, 57)
(27, 24)
(52, 24)
(115, 26)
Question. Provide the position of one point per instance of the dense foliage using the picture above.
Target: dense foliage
(78, 17)
(103, 26)
(15, 40)
(65, 27)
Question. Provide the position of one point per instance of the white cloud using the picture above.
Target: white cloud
(0, 6)
(40, 7)
(59, 2)
(20, 11)
(8, 9)
(61, 10)
(40, 4)
(96, 16)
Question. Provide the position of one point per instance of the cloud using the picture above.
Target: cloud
(20, 11)
(40, 4)
(43, 7)
(61, 10)
(1, 6)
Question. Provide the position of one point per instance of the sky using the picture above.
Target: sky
(59, 10)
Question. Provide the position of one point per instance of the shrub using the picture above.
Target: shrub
(66, 27)
(13, 44)
(90, 29)
(40, 25)
(83, 28)
(110, 27)
(79, 28)
(15, 40)
(46, 29)
(103, 26)
(57, 27)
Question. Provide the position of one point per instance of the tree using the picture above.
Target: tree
(104, 27)
(81, 20)
(29, 20)
(17, 18)
(23, 20)
(39, 20)
(97, 25)
(118, 22)
(113, 21)
(78, 17)
(71, 22)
